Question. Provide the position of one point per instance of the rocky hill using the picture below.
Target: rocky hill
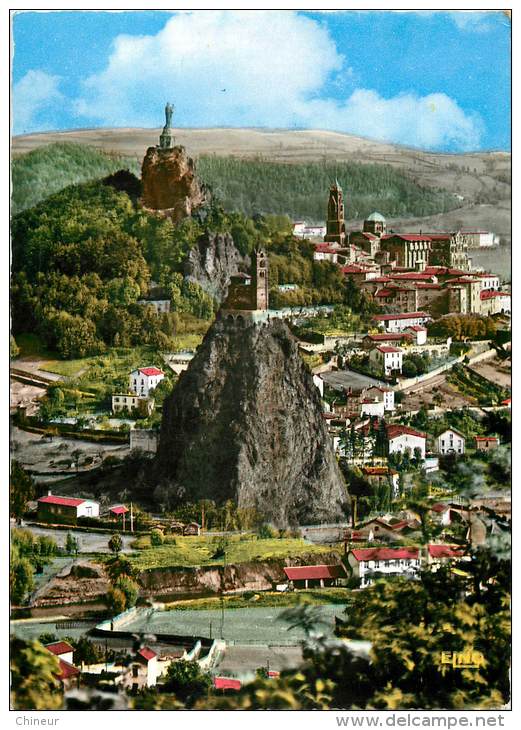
(212, 261)
(169, 182)
(244, 423)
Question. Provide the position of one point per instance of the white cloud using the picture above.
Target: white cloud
(258, 68)
(35, 98)
(471, 21)
(431, 122)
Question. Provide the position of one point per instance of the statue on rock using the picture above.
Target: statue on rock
(170, 185)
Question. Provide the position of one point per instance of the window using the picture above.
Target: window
(376, 563)
(135, 671)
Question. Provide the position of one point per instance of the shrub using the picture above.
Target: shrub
(156, 538)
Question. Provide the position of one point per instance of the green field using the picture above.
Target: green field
(265, 599)
(190, 551)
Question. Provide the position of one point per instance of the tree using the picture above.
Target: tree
(71, 544)
(116, 601)
(115, 543)
(119, 567)
(14, 350)
(156, 538)
(129, 588)
(21, 491)
(21, 581)
(187, 682)
(34, 683)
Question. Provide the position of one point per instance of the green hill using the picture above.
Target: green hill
(247, 186)
(47, 170)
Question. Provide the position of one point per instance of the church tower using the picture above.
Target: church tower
(336, 227)
(259, 282)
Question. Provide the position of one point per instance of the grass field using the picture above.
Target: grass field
(190, 551)
(265, 599)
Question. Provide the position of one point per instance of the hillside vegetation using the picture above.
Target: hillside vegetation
(298, 190)
(48, 170)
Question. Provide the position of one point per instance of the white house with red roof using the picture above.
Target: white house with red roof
(370, 563)
(62, 649)
(388, 359)
(450, 441)
(309, 576)
(418, 332)
(438, 555)
(486, 443)
(404, 438)
(326, 252)
(400, 322)
(143, 380)
(68, 674)
(380, 393)
(494, 302)
(53, 506)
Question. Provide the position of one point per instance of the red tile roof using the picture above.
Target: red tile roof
(67, 670)
(389, 337)
(226, 683)
(405, 553)
(386, 292)
(417, 328)
(59, 647)
(377, 470)
(395, 430)
(387, 348)
(403, 315)
(422, 285)
(147, 653)
(63, 501)
(440, 507)
(352, 270)
(119, 509)
(407, 236)
(315, 572)
(488, 294)
(151, 371)
(445, 551)
(414, 275)
(486, 438)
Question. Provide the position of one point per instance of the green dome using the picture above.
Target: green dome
(376, 217)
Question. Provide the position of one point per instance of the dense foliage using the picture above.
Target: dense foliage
(46, 170)
(249, 186)
(300, 190)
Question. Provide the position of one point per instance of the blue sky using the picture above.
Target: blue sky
(434, 80)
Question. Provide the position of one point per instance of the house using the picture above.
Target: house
(394, 339)
(325, 252)
(385, 394)
(143, 380)
(367, 564)
(378, 475)
(441, 513)
(487, 443)
(480, 239)
(403, 438)
(68, 674)
(314, 576)
(418, 332)
(227, 683)
(118, 512)
(507, 402)
(144, 668)
(53, 507)
(400, 322)
(494, 302)
(128, 402)
(387, 358)
(62, 649)
(160, 306)
(450, 441)
(438, 555)
(372, 407)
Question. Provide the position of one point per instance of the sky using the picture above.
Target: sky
(435, 80)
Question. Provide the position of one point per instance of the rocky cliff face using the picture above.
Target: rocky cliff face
(169, 182)
(213, 261)
(244, 423)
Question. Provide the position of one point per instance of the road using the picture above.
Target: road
(88, 542)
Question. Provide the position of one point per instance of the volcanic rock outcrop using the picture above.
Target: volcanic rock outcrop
(170, 184)
(244, 423)
(212, 261)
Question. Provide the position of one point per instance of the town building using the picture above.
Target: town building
(143, 669)
(480, 239)
(250, 293)
(450, 249)
(160, 306)
(325, 252)
(450, 442)
(409, 250)
(143, 380)
(53, 507)
(402, 439)
(400, 322)
(418, 332)
(439, 555)
(387, 358)
(367, 564)
(380, 475)
(375, 224)
(130, 403)
(368, 242)
(487, 443)
(335, 226)
(495, 302)
(315, 576)
(390, 338)
(62, 649)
